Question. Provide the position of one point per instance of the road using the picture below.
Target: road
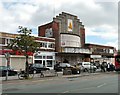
(99, 83)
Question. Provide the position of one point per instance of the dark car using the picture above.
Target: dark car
(11, 71)
(37, 68)
(66, 66)
(61, 66)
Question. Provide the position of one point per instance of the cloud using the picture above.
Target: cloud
(106, 32)
(100, 18)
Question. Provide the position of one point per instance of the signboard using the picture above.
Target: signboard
(96, 56)
(70, 25)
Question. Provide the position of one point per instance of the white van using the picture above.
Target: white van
(89, 66)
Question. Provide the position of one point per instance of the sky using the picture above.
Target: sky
(100, 18)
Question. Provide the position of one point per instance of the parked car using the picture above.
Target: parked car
(75, 69)
(11, 71)
(61, 66)
(37, 68)
(66, 66)
(89, 66)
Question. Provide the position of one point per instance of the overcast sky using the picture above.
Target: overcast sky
(100, 18)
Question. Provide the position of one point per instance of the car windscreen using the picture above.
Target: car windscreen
(65, 65)
(37, 65)
(3, 68)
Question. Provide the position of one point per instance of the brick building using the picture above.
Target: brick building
(62, 38)
(69, 34)
(45, 56)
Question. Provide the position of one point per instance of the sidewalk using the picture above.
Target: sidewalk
(60, 75)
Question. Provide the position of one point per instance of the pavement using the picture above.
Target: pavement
(60, 75)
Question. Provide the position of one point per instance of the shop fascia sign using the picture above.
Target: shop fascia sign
(96, 56)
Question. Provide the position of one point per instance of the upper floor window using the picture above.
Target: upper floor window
(2, 41)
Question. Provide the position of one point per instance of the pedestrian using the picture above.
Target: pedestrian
(102, 68)
(111, 67)
(108, 67)
(65, 61)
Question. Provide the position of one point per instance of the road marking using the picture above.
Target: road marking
(66, 92)
(78, 89)
(101, 85)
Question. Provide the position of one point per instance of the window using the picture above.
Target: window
(49, 45)
(49, 63)
(44, 57)
(2, 40)
(38, 61)
(38, 57)
(49, 57)
(41, 44)
(44, 45)
(118, 59)
(44, 63)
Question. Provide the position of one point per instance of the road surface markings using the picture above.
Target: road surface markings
(101, 85)
(74, 90)
(65, 92)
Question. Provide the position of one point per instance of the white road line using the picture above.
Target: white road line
(66, 92)
(101, 85)
(78, 89)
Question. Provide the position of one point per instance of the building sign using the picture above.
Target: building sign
(48, 32)
(70, 25)
(96, 56)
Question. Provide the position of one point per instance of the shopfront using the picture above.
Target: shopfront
(45, 58)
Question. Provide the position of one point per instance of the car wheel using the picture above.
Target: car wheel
(41, 75)
(34, 71)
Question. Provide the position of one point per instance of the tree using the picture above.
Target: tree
(119, 51)
(24, 43)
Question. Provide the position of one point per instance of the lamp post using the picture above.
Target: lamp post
(7, 56)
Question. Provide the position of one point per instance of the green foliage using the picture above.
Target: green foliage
(118, 51)
(24, 42)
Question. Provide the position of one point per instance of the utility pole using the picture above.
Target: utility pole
(7, 56)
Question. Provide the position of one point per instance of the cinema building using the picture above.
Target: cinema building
(69, 34)
(62, 38)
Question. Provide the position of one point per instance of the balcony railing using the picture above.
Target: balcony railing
(75, 50)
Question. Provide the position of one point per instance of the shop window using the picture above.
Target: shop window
(38, 57)
(38, 61)
(49, 63)
(44, 63)
(44, 57)
(49, 57)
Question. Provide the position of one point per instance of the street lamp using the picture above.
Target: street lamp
(7, 56)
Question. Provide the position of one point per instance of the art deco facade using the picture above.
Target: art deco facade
(62, 38)
(69, 34)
